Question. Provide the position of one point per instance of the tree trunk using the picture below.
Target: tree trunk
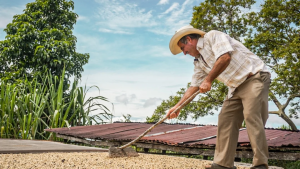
(281, 108)
(285, 118)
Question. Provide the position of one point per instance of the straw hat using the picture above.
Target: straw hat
(174, 48)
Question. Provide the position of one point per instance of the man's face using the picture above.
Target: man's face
(189, 47)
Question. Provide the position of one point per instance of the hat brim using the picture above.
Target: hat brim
(174, 48)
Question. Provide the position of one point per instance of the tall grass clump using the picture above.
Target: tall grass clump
(30, 106)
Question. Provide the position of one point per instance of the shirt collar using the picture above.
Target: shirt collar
(199, 46)
(200, 43)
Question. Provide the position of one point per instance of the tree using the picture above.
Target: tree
(222, 15)
(41, 38)
(275, 39)
(265, 34)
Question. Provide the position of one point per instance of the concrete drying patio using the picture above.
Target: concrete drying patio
(16, 146)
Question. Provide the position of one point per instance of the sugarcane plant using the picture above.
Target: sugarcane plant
(21, 108)
(29, 107)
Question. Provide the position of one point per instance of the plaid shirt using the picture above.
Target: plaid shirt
(243, 61)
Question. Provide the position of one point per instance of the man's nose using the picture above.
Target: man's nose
(184, 52)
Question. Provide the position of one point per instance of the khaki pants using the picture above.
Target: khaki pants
(249, 102)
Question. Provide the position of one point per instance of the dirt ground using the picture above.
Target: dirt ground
(98, 160)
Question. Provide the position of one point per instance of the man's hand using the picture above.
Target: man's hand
(174, 114)
(205, 86)
(187, 97)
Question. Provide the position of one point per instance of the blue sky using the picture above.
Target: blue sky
(128, 41)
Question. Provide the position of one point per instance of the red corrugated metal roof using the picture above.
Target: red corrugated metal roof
(290, 139)
(271, 134)
(115, 131)
(183, 136)
(173, 134)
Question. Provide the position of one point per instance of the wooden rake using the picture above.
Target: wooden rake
(125, 151)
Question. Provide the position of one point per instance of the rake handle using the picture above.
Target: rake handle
(159, 122)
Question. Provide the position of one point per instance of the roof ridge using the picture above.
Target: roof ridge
(168, 123)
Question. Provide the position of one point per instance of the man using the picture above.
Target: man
(218, 56)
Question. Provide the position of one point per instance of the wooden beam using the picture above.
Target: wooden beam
(183, 150)
(90, 142)
(73, 139)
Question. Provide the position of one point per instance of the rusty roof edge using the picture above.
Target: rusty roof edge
(282, 129)
(171, 131)
(270, 128)
(168, 123)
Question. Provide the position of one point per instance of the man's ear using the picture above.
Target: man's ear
(188, 39)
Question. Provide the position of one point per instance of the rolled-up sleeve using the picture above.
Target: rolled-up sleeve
(220, 43)
(198, 76)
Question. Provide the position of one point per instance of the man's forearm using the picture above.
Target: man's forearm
(220, 65)
(190, 91)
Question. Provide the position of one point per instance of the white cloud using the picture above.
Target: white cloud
(123, 98)
(6, 15)
(162, 2)
(122, 18)
(83, 18)
(174, 6)
(158, 51)
(152, 101)
(176, 16)
(100, 46)
(180, 14)
(132, 119)
(115, 31)
(90, 44)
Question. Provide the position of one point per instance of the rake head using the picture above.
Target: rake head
(126, 152)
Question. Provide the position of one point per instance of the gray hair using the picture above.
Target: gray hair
(192, 36)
